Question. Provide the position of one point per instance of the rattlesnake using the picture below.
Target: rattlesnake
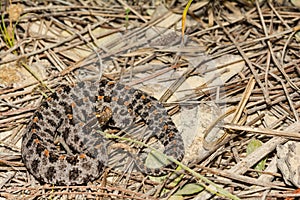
(75, 114)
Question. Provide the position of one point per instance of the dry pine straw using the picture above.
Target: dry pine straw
(263, 35)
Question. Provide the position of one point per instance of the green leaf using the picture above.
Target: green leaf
(190, 189)
(252, 146)
(176, 198)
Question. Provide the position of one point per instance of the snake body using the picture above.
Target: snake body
(74, 115)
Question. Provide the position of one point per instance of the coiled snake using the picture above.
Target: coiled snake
(75, 114)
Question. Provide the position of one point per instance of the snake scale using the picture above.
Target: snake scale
(75, 114)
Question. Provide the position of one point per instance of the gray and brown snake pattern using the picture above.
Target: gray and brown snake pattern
(75, 114)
